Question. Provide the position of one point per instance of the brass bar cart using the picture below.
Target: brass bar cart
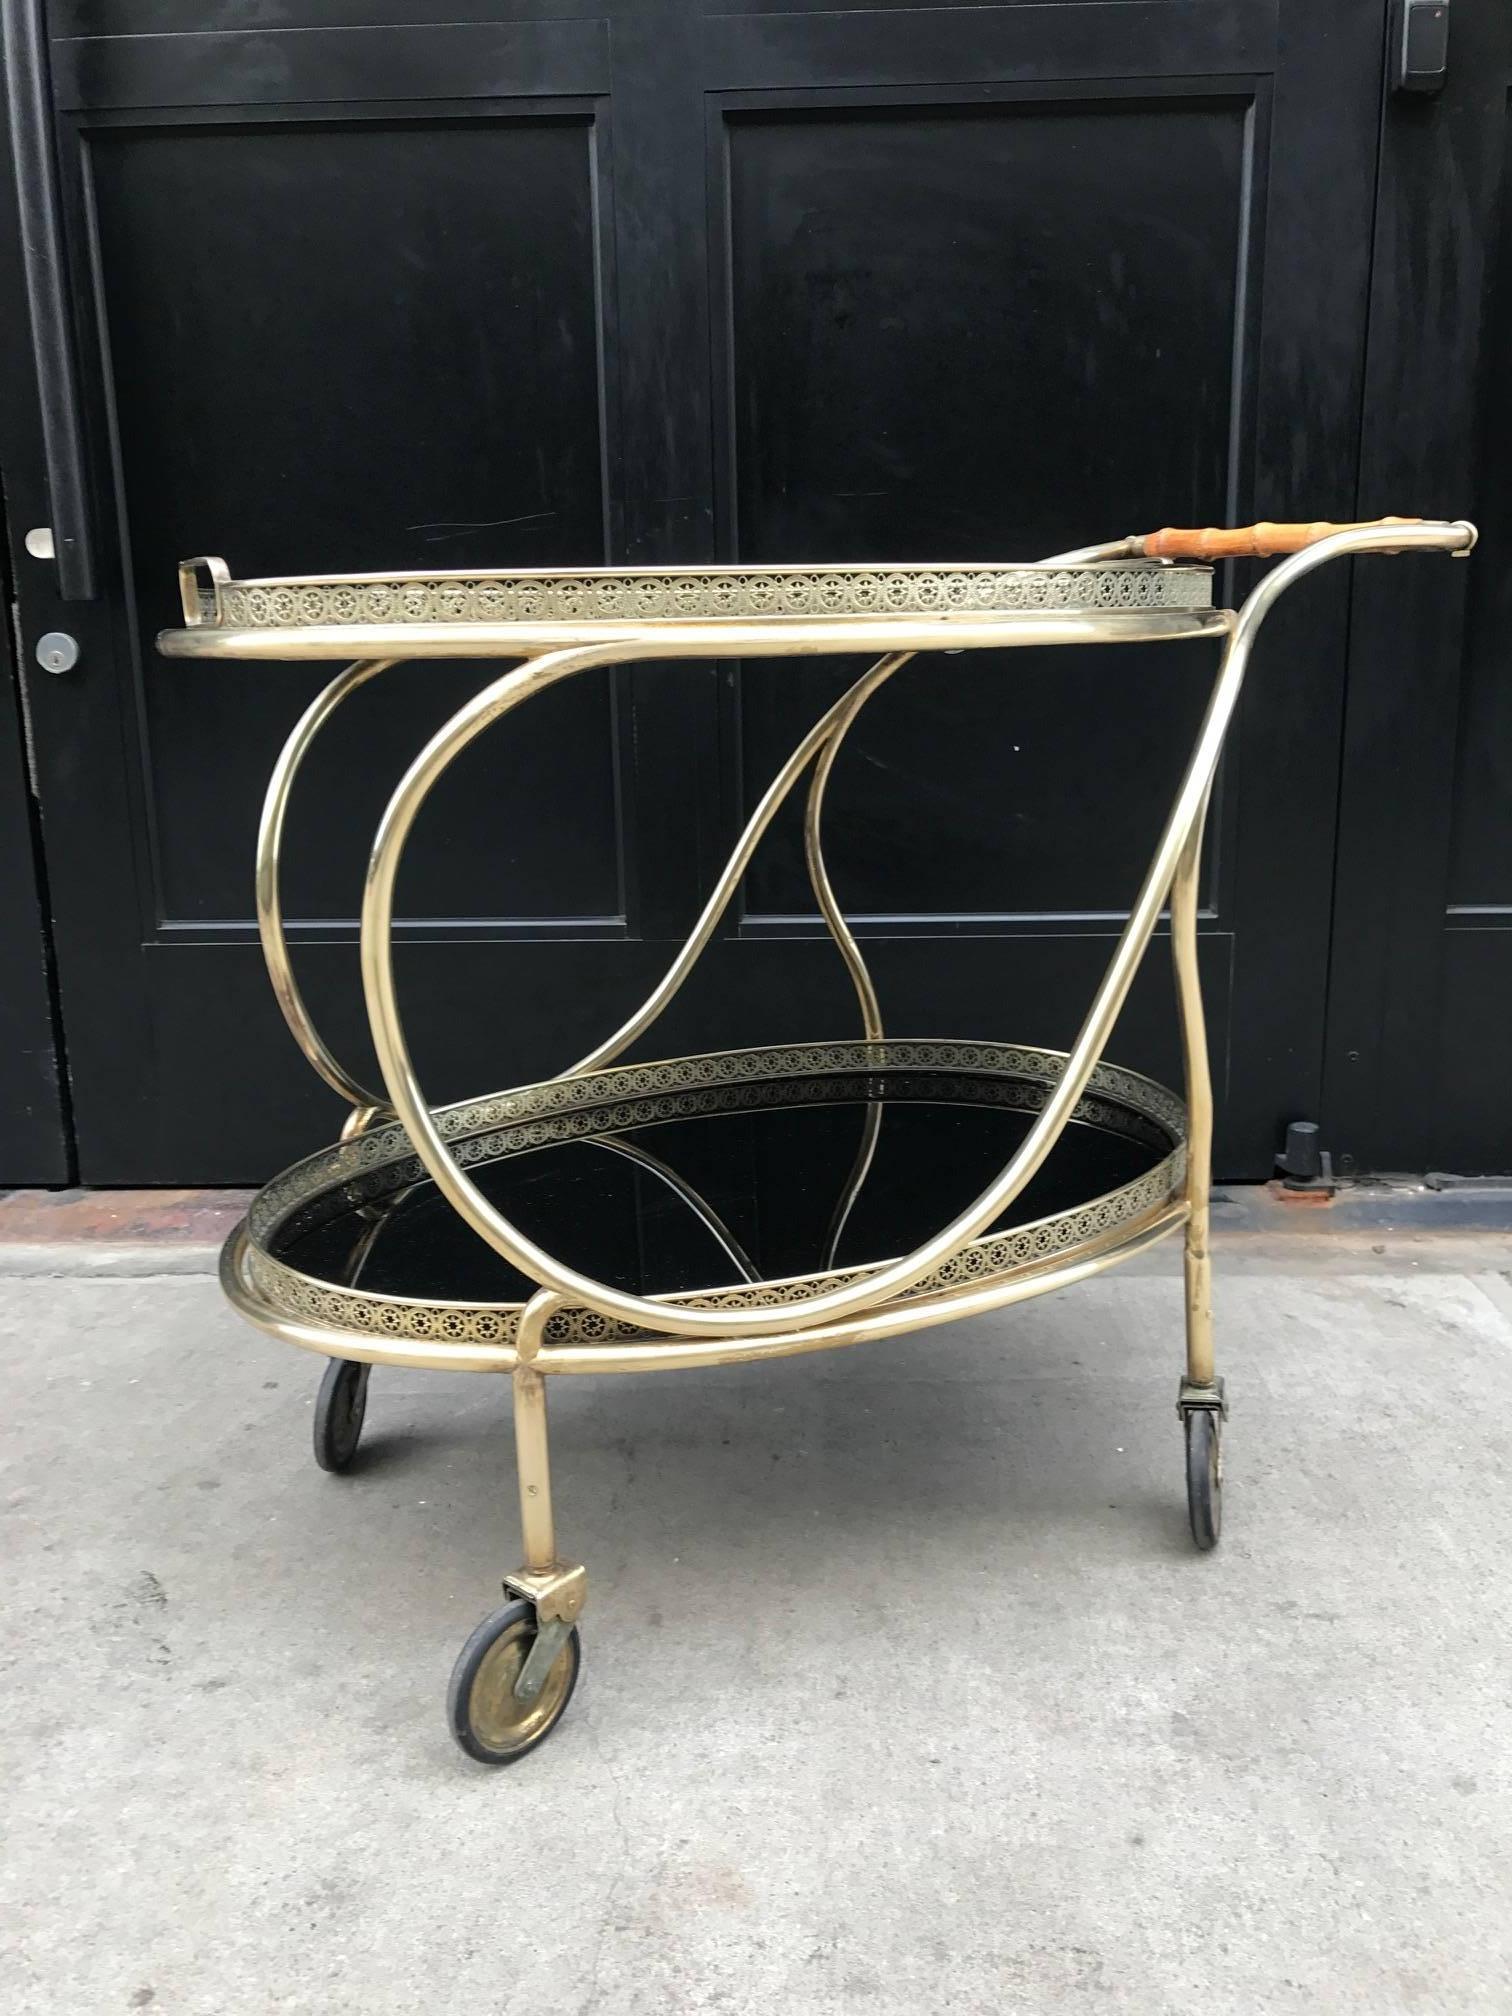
(328, 1257)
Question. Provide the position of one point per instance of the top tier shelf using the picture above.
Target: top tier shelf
(780, 610)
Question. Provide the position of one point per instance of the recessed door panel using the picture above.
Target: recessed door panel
(350, 346)
(984, 333)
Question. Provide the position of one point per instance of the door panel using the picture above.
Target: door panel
(1480, 858)
(948, 340)
(954, 325)
(356, 288)
(996, 282)
(426, 392)
(1472, 1114)
(1419, 1069)
(340, 304)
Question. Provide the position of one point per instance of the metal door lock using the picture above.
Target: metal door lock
(1420, 45)
(57, 651)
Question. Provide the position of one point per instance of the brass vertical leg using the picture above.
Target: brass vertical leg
(1199, 1091)
(515, 1675)
(533, 1460)
(556, 1588)
(1199, 1401)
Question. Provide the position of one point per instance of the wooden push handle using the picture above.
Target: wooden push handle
(1248, 542)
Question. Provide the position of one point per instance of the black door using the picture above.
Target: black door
(1419, 1065)
(355, 289)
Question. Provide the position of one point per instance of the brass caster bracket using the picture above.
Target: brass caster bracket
(1192, 1398)
(558, 1594)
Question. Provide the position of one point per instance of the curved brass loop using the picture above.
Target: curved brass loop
(360, 1119)
(1199, 1095)
(1199, 1080)
(825, 735)
(270, 925)
(850, 952)
(508, 692)
(772, 639)
(850, 706)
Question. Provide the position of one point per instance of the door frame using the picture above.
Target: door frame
(35, 1134)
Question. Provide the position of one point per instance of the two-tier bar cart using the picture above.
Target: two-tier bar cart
(434, 1237)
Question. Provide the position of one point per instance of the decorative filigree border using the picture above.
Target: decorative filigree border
(360, 1193)
(619, 594)
(639, 1094)
(374, 1316)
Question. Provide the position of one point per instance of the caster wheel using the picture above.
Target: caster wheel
(338, 1413)
(481, 1708)
(1204, 1474)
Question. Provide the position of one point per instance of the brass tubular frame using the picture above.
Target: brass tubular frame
(533, 1465)
(1197, 1263)
(743, 638)
(813, 842)
(850, 951)
(751, 638)
(267, 884)
(879, 1301)
(498, 699)
(825, 737)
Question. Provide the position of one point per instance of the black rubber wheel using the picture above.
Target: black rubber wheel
(1204, 1475)
(486, 1719)
(339, 1409)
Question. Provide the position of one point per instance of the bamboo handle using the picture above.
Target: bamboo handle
(1248, 542)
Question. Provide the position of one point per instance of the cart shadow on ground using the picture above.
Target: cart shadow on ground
(948, 1429)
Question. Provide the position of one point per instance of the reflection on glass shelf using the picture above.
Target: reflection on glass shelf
(712, 1199)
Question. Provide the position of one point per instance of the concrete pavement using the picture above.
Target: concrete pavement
(903, 1689)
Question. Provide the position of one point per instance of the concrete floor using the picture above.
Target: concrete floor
(903, 1689)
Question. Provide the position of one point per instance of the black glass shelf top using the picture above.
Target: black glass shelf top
(709, 1199)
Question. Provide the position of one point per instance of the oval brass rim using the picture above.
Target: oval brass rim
(382, 1162)
(213, 598)
(781, 636)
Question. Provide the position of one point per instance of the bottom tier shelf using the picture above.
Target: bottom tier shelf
(740, 1178)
